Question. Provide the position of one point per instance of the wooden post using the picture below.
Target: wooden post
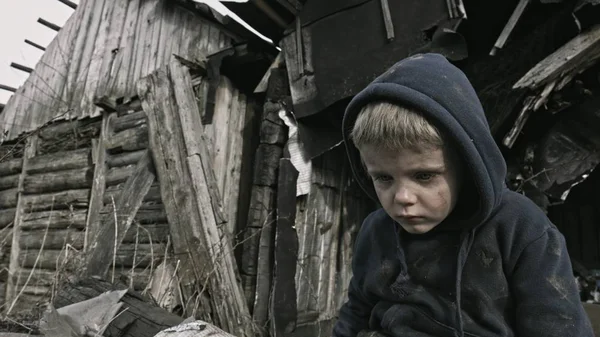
(49, 24)
(13, 268)
(283, 297)
(35, 45)
(107, 240)
(7, 88)
(510, 25)
(21, 67)
(99, 182)
(191, 199)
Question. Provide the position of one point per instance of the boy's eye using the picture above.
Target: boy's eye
(424, 176)
(382, 178)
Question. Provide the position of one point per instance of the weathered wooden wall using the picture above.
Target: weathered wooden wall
(50, 206)
(102, 50)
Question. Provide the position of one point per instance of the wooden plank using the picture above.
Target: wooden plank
(151, 47)
(128, 140)
(111, 50)
(111, 233)
(283, 309)
(13, 166)
(176, 138)
(59, 161)
(124, 60)
(58, 200)
(11, 289)
(98, 181)
(118, 175)
(578, 54)
(128, 121)
(75, 58)
(267, 159)
(89, 82)
(142, 234)
(57, 219)
(135, 71)
(510, 25)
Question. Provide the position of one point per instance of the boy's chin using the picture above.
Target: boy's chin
(418, 229)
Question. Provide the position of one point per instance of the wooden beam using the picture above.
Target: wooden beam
(35, 45)
(21, 67)
(510, 25)
(283, 297)
(99, 180)
(49, 24)
(264, 7)
(14, 266)
(191, 200)
(69, 3)
(387, 19)
(575, 56)
(107, 240)
(7, 88)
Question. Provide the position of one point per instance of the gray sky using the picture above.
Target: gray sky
(18, 21)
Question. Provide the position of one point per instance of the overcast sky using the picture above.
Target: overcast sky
(18, 21)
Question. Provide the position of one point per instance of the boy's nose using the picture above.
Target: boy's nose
(405, 196)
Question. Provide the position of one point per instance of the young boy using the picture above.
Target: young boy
(453, 252)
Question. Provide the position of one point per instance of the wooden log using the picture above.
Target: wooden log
(58, 181)
(57, 219)
(54, 239)
(267, 162)
(114, 192)
(10, 167)
(63, 129)
(124, 159)
(147, 233)
(48, 259)
(151, 214)
(38, 277)
(7, 217)
(129, 121)
(128, 140)
(59, 161)
(118, 175)
(115, 226)
(58, 200)
(272, 128)
(8, 182)
(283, 310)
(183, 166)
(8, 198)
(139, 316)
(99, 181)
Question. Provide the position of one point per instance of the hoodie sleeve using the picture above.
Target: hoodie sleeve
(355, 313)
(546, 296)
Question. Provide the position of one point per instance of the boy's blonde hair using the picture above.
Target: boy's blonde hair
(393, 127)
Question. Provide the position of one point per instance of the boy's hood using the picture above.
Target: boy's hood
(442, 92)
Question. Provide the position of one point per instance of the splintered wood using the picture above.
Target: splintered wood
(191, 198)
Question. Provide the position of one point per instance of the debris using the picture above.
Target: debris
(194, 329)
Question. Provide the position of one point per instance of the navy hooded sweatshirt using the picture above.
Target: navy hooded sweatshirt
(496, 266)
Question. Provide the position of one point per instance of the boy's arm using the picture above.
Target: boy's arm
(354, 314)
(545, 292)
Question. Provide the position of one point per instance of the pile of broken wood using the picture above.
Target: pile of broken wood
(95, 307)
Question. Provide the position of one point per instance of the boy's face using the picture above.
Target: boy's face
(418, 188)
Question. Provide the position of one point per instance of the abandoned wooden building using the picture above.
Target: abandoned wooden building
(160, 145)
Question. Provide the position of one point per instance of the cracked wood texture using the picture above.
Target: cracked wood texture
(192, 201)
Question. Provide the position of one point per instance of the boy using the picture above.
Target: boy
(453, 252)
